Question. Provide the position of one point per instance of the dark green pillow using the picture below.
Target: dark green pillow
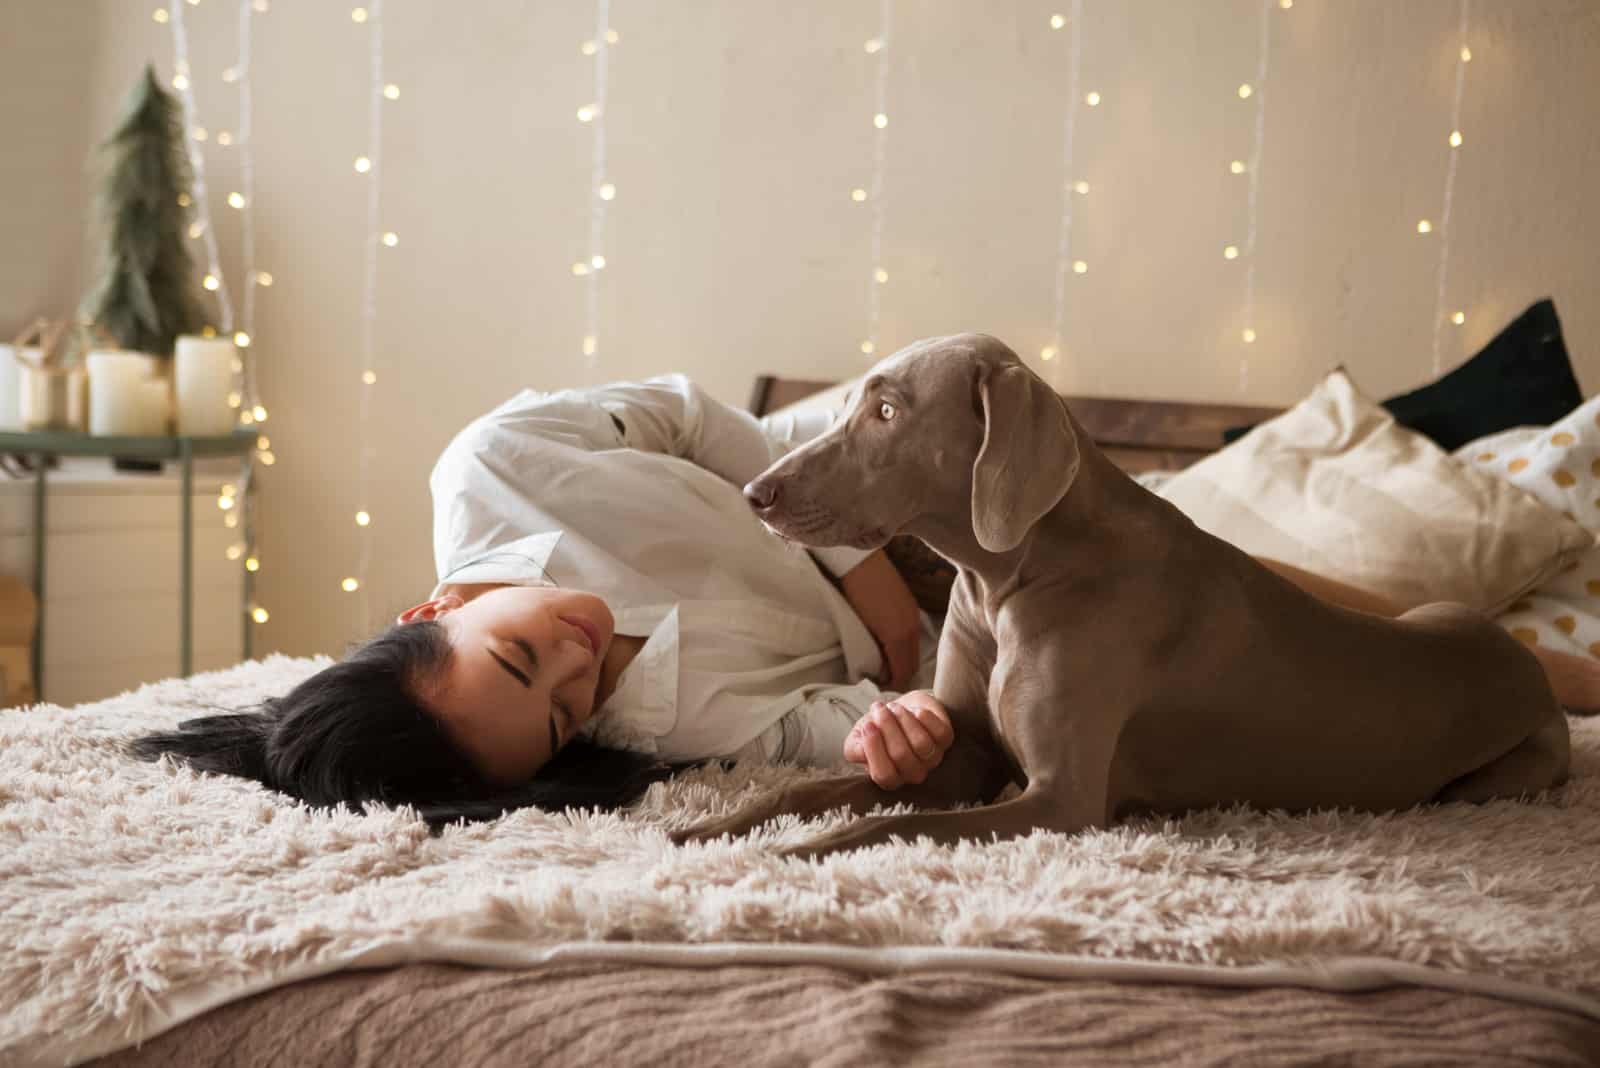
(1521, 378)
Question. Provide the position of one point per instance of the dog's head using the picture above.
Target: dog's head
(951, 428)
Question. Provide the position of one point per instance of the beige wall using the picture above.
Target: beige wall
(737, 129)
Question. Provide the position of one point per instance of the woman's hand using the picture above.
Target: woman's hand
(901, 741)
(885, 604)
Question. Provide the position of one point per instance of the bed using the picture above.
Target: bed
(625, 998)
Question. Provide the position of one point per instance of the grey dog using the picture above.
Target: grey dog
(1108, 656)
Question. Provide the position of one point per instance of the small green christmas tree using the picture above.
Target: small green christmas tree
(147, 294)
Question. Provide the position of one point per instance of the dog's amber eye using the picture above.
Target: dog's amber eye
(886, 410)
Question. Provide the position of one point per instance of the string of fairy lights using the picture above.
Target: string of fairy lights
(1258, 139)
(1071, 185)
(1458, 317)
(235, 500)
(369, 166)
(878, 47)
(601, 189)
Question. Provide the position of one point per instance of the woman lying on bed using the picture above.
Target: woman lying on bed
(608, 607)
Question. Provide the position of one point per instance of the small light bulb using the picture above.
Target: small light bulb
(608, 192)
(208, 331)
(1245, 91)
(180, 82)
(586, 113)
(350, 585)
(580, 269)
(359, 15)
(1080, 187)
(1093, 100)
(391, 238)
(194, 3)
(1458, 318)
(262, 442)
(260, 413)
(1230, 252)
(199, 133)
(263, 278)
(1249, 336)
(184, 200)
(1047, 353)
(210, 282)
(197, 228)
(229, 490)
(1466, 54)
(1079, 267)
(246, 418)
(230, 520)
(252, 564)
(597, 262)
(363, 165)
(159, 14)
(589, 48)
(1237, 166)
(241, 339)
(1286, 4)
(868, 348)
(268, 458)
(589, 345)
(234, 400)
(612, 37)
(224, 138)
(1057, 21)
(369, 378)
(858, 195)
(873, 46)
(230, 75)
(259, 615)
(1455, 138)
(224, 502)
(881, 275)
(363, 519)
(391, 91)
(880, 120)
(235, 551)
(262, 6)
(1424, 226)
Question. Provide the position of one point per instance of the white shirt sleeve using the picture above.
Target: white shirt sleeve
(668, 414)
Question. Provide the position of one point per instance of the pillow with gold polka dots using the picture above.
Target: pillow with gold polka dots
(1560, 465)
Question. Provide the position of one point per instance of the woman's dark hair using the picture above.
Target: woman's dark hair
(357, 731)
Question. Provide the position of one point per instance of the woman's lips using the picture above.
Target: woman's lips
(591, 633)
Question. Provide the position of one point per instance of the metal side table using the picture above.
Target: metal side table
(44, 444)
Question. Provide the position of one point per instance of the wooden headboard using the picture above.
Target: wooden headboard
(1137, 435)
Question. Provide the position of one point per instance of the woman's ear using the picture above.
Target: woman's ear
(431, 609)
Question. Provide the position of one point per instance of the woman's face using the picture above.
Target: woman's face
(524, 672)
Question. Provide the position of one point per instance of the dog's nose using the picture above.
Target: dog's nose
(762, 494)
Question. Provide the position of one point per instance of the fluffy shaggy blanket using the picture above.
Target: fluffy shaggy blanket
(135, 895)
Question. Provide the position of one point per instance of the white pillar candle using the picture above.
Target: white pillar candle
(204, 377)
(155, 408)
(11, 386)
(118, 401)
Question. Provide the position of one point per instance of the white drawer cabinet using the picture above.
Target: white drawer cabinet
(112, 574)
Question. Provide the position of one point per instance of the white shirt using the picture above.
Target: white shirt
(632, 491)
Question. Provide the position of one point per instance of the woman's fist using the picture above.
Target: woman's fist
(902, 740)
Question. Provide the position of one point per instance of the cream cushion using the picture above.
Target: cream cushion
(1560, 465)
(1336, 487)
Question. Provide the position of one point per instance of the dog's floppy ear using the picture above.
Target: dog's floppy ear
(1028, 459)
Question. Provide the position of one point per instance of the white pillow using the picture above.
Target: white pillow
(1560, 465)
(1336, 487)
